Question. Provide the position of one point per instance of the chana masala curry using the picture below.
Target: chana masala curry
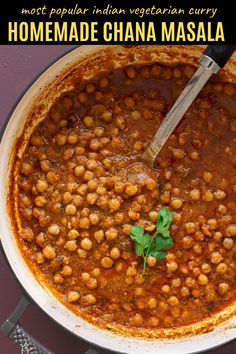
(119, 243)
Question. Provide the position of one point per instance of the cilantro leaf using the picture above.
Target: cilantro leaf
(164, 220)
(163, 243)
(157, 254)
(142, 240)
(153, 245)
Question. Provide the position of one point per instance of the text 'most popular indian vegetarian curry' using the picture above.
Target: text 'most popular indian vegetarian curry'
(119, 243)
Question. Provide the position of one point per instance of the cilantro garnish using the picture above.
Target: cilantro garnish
(153, 245)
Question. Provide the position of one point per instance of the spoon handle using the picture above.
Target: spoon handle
(219, 53)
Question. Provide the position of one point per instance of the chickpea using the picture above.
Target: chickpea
(111, 234)
(221, 268)
(203, 279)
(40, 201)
(208, 196)
(58, 279)
(40, 258)
(90, 88)
(41, 186)
(89, 299)
(151, 261)
(119, 187)
(136, 320)
(54, 229)
(82, 189)
(153, 215)
(82, 253)
(189, 71)
(101, 190)
(72, 138)
(223, 288)
(93, 218)
(190, 282)
(88, 121)
(88, 175)
(216, 258)
(176, 203)
(85, 276)
(228, 243)
(71, 245)
(231, 230)
(86, 244)
(130, 72)
(126, 229)
(119, 218)
(154, 321)
(27, 234)
(99, 132)
(70, 210)
(185, 291)
(206, 268)
(177, 72)
(173, 301)
(207, 176)
(52, 177)
(212, 223)
(107, 116)
(152, 303)
(120, 122)
(179, 153)
(115, 253)
(194, 194)
(106, 262)
(151, 184)
(172, 266)
(73, 234)
(165, 289)
(79, 171)
(165, 197)
(114, 204)
(84, 223)
(66, 271)
(95, 144)
(99, 235)
(73, 296)
(176, 282)
(49, 252)
(190, 227)
(92, 283)
(217, 236)
(91, 198)
(78, 201)
(187, 242)
(131, 190)
(219, 194)
(61, 139)
(45, 166)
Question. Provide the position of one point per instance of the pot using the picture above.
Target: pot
(83, 62)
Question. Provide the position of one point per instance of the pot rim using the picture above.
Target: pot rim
(43, 297)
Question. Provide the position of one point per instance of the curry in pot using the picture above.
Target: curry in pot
(83, 194)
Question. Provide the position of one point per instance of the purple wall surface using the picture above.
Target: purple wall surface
(18, 66)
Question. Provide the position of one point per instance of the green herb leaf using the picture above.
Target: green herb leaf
(164, 220)
(153, 245)
(157, 254)
(163, 243)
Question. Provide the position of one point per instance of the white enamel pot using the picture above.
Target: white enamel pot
(31, 107)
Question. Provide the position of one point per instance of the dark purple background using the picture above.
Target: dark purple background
(18, 66)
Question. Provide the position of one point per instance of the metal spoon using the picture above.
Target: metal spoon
(212, 60)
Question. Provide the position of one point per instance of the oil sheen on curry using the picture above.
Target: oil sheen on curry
(82, 188)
